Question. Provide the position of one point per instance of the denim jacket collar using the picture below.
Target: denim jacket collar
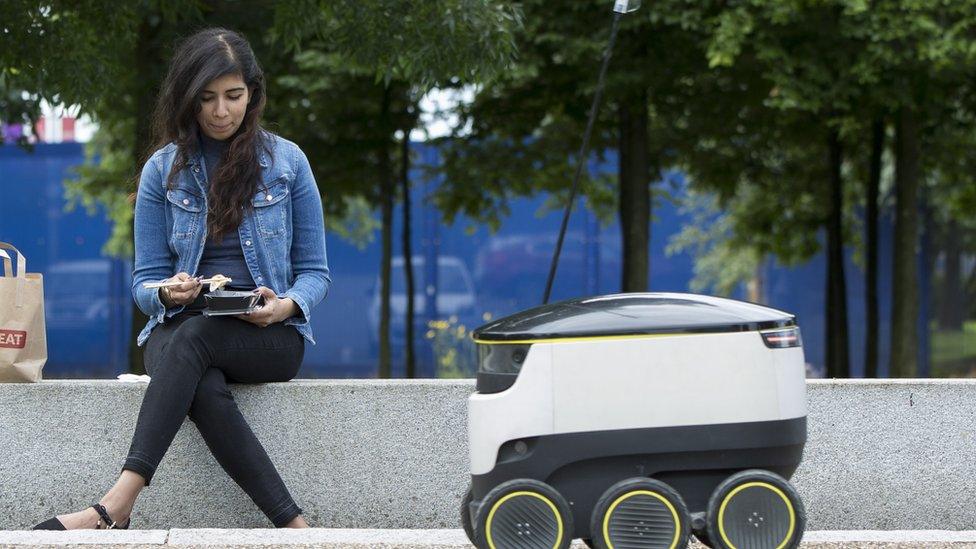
(196, 165)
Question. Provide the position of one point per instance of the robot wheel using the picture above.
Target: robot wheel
(640, 513)
(755, 508)
(523, 514)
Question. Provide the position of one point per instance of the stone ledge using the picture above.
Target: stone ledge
(881, 454)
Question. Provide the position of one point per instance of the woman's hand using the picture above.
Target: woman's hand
(184, 294)
(273, 310)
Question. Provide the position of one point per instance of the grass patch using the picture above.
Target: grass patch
(954, 352)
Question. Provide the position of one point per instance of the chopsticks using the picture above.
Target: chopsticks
(152, 285)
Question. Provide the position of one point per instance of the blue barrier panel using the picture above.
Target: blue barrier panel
(470, 274)
(87, 300)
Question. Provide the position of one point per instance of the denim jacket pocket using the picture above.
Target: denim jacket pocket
(271, 208)
(186, 207)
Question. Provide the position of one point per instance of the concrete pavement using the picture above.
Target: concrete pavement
(330, 538)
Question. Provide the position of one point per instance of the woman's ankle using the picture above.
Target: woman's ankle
(121, 498)
(297, 522)
(118, 507)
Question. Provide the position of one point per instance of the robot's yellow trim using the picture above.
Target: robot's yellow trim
(618, 501)
(786, 501)
(587, 338)
(555, 512)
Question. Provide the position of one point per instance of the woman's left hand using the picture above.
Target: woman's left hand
(273, 310)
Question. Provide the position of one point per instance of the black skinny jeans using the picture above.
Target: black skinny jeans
(191, 358)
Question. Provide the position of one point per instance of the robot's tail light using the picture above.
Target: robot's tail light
(782, 338)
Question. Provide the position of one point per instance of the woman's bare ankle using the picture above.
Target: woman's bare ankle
(121, 498)
(297, 522)
(120, 509)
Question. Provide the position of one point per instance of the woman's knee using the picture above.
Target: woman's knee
(212, 395)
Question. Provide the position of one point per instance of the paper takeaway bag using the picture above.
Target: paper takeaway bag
(23, 342)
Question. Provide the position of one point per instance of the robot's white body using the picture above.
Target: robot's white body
(682, 388)
(603, 384)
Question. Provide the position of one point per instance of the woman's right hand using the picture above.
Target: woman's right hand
(184, 294)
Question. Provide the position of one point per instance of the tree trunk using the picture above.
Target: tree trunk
(838, 363)
(635, 193)
(145, 84)
(411, 361)
(951, 299)
(969, 294)
(385, 173)
(928, 255)
(871, 249)
(904, 304)
(756, 286)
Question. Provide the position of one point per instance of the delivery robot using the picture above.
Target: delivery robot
(635, 420)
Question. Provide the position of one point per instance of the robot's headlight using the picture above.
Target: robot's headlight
(501, 359)
(782, 338)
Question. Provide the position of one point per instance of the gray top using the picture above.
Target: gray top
(225, 257)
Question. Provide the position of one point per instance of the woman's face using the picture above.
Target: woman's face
(223, 103)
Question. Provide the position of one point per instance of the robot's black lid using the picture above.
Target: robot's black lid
(634, 314)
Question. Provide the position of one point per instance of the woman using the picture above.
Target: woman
(223, 196)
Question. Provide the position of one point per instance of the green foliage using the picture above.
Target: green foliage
(357, 225)
(514, 139)
(56, 49)
(742, 97)
(785, 72)
(328, 64)
(722, 263)
(430, 43)
(454, 350)
(75, 52)
(732, 29)
(105, 179)
(951, 167)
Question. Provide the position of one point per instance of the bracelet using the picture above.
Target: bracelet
(165, 297)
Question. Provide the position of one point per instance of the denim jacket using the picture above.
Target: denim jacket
(282, 237)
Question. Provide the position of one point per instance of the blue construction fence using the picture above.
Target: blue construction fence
(479, 275)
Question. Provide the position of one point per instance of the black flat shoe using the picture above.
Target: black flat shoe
(104, 522)
(50, 524)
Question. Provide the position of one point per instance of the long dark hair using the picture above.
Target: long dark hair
(198, 60)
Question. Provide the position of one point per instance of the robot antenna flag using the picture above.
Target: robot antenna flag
(619, 7)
